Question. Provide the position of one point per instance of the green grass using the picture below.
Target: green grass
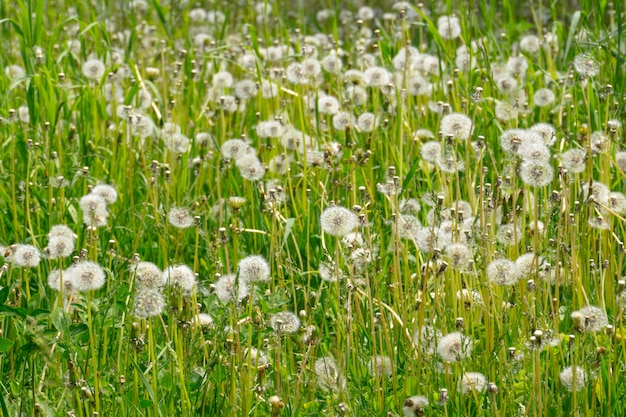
(61, 134)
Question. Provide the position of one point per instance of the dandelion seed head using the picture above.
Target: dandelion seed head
(86, 276)
(503, 272)
(254, 268)
(377, 76)
(574, 160)
(546, 131)
(148, 275)
(380, 365)
(180, 276)
(285, 322)
(536, 174)
(180, 218)
(543, 97)
(456, 125)
(454, 347)
(431, 152)
(449, 27)
(54, 281)
(149, 303)
(586, 65)
(93, 69)
(59, 246)
(222, 79)
(573, 378)
(407, 226)
(425, 338)
(593, 319)
(414, 406)
(202, 320)
(338, 221)
(327, 374)
(250, 167)
(107, 192)
(530, 44)
(328, 105)
(228, 288)
(24, 256)
(473, 382)
(367, 122)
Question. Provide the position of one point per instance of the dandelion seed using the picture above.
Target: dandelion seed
(93, 69)
(338, 221)
(473, 382)
(149, 303)
(456, 125)
(254, 268)
(285, 322)
(503, 272)
(574, 379)
(180, 276)
(598, 191)
(86, 276)
(454, 347)
(180, 218)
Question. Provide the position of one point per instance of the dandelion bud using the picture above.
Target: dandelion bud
(443, 396)
(512, 351)
(276, 404)
(492, 388)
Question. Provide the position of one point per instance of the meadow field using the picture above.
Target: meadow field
(312, 208)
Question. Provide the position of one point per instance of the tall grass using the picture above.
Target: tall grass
(363, 300)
